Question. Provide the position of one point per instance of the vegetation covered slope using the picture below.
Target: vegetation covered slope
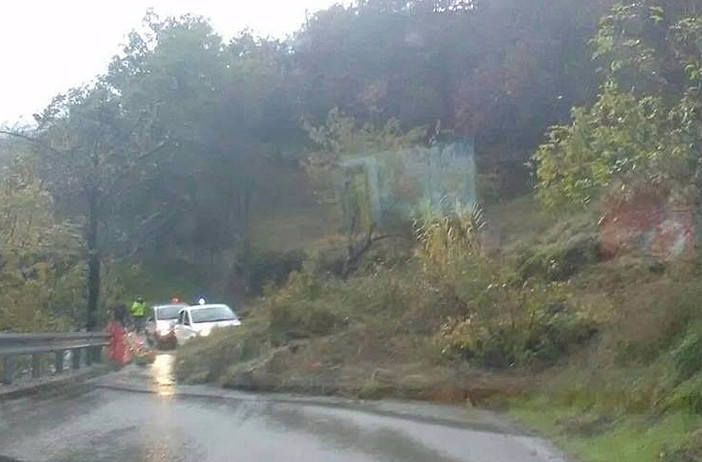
(597, 344)
(183, 148)
(170, 156)
(415, 319)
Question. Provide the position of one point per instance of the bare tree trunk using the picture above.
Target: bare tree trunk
(244, 270)
(356, 250)
(245, 215)
(93, 261)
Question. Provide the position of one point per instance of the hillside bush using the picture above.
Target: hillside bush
(272, 268)
(207, 359)
(449, 301)
(516, 325)
(559, 261)
(687, 356)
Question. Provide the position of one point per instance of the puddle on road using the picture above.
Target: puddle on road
(162, 373)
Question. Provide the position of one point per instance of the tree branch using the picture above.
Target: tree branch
(124, 138)
(130, 168)
(162, 144)
(354, 253)
(32, 140)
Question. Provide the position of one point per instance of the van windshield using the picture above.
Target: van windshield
(167, 312)
(213, 314)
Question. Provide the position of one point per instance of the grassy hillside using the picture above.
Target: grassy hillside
(391, 328)
(604, 356)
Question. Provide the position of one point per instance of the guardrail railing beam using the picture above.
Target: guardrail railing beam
(38, 346)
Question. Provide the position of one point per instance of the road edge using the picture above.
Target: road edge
(54, 384)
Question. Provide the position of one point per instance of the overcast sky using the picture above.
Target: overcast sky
(48, 46)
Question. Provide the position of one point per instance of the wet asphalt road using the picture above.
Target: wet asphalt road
(139, 415)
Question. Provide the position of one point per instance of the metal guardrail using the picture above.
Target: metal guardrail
(37, 346)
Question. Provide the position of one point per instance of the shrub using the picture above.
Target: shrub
(689, 451)
(687, 356)
(206, 359)
(445, 238)
(687, 395)
(559, 261)
(293, 321)
(303, 309)
(511, 325)
(272, 268)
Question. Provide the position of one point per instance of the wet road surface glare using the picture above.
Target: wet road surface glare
(139, 414)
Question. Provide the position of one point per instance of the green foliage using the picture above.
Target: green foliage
(96, 149)
(272, 268)
(448, 299)
(689, 450)
(168, 153)
(299, 311)
(343, 136)
(400, 311)
(627, 438)
(502, 319)
(446, 238)
(156, 282)
(207, 359)
(39, 255)
(687, 396)
(558, 261)
(645, 125)
(425, 61)
(511, 324)
(687, 356)
(227, 108)
(620, 140)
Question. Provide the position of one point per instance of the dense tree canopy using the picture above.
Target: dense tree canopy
(169, 153)
(646, 127)
(499, 70)
(40, 274)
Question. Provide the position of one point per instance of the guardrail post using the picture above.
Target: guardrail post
(36, 365)
(8, 369)
(59, 361)
(89, 356)
(75, 357)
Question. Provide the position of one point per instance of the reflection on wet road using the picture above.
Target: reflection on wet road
(162, 370)
(140, 415)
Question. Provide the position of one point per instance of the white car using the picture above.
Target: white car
(199, 320)
(160, 323)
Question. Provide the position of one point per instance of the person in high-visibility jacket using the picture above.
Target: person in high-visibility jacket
(138, 311)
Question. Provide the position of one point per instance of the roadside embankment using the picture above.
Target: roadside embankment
(602, 354)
